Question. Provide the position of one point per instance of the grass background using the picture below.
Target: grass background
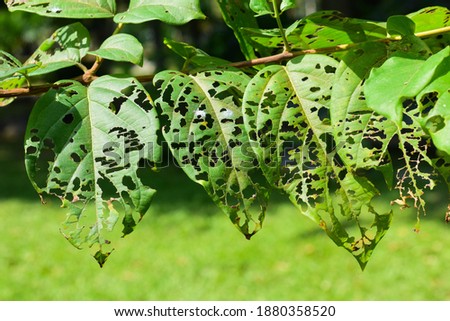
(186, 249)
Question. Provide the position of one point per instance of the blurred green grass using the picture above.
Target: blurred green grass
(186, 249)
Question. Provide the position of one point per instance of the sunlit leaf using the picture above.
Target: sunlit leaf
(207, 137)
(76, 9)
(121, 47)
(399, 79)
(287, 116)
(174, 12)
(86, 145)
(64, 48)
(261, 7)
(362, 136)
(320, 30)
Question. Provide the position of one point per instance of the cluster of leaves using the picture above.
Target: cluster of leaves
(316, 109)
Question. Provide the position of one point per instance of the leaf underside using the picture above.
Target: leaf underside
(86, 145)
(287, 114)
(207, 137)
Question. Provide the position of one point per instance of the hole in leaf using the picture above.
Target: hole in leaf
(68, 118)
(128, 182)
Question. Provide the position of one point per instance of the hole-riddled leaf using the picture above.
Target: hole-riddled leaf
(207, 137)
(414, 93)
(287, 115)
(362, 136)
(64, 48)
(81, 143)
(320, 30)
(174, 12)
(401, 78)
(77, 9)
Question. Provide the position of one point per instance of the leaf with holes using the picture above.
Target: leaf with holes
(87, 145)
(321, 30)
(121, 47)
(206, 135)
(401, 79)
(64, 48)
(75, 9)
(415, 101)
(175, 12)
(362, 136)
(432, 18)
(287, 116)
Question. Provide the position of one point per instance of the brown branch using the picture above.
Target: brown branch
(29, 91)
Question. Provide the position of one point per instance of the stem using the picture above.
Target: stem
(276, 11)
(89, 75)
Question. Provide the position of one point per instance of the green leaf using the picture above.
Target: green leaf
(64, 48)
(399, 79)
(320, 30)
(75, 9)
(287, 4)
(174, 12)
(262, 7)
(434, 105)
(9, 65)
(196, 59)
(362, 136)
(413, 94)
(430, 18)
(86, 145)
(237, 15)
(287, 116)
(206, 135)
(400, 25)
(121, 47)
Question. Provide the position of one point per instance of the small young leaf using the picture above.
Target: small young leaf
(85, 145)
(196, 59)
(75, 9)
(400, 25)
(121, 47)
(287, 4)
(262, 7)
(64, 48)
(175, 12)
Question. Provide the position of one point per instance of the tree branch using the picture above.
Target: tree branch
(90, 76)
